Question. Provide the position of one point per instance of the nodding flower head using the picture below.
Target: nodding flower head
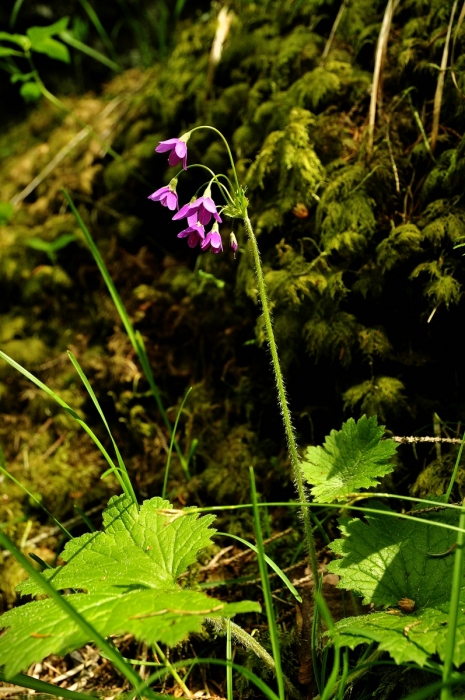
(204, 208)
(213, 240)
(166, 195)
(233, 243)
(195, 232)
(177, 148)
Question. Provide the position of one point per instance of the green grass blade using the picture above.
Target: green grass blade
(67, 408)
(457, 582)
(229, 671)
(85, 519)
(5, 471)
(69, 39)
(318, 674)
(94, 18)
(272, 627)
(40, 561)
(326, 615)
(14, 13)
(157, 675)
(42, 687)
(454, 473)
(270, 562)
(134, 336)
(110, 650)
(129, 491)
(170, 451)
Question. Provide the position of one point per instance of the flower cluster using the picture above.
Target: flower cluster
(199, 212)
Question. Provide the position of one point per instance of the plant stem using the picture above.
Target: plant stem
(172, 670)
(457, 579)
(291, 441)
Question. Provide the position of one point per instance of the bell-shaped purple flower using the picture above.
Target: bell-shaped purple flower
(204, 208)
(233, 243)
(178, 148)
(213, 241)
(167, 195)
(195, 232)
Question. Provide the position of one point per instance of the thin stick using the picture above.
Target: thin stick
(381, 49)
(333, 31)
(441, 79)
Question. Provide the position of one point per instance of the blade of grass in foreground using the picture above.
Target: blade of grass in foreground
(457, 583)
(170, 451)
(272, 628)
(67, 408)
(249, 675)
(122, 466)
(134, 336)
(25, 681)
(270, 562)
(110, 650)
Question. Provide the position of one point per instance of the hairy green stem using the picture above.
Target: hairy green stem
(286, 414)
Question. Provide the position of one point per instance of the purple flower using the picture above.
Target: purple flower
(166, 195)
(213, 240)
(204, 207)
(178, 148)
(195, 232)
(233, 243)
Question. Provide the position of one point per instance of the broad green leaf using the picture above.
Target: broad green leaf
(42, 42)
(128, 574)
(39, 33)
(30, 92)
(351, 458)
(41, 628)
(385, 559)
(148, 548)
(52, 48)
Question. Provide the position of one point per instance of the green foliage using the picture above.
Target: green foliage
(377, 396)
(128, 573)
(351, 458)
(287, 164)
(386, 559)
(41, 40)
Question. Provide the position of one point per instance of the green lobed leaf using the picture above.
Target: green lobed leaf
(40, 628)
(128, 572)
(385, 559)
(351, 458)
(42, 41)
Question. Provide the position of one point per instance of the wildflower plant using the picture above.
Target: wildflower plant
(199, 213)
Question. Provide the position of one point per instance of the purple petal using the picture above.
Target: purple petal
(218, 217)
(174, 159)
(187, 232)
(164, 146)
(171, 201)
(204, 216)
(191, 220)
(158, 194)
(193, 239)
(182, 212)
(209, 204)
(216, 242)
(206, 242)
(181, 149)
